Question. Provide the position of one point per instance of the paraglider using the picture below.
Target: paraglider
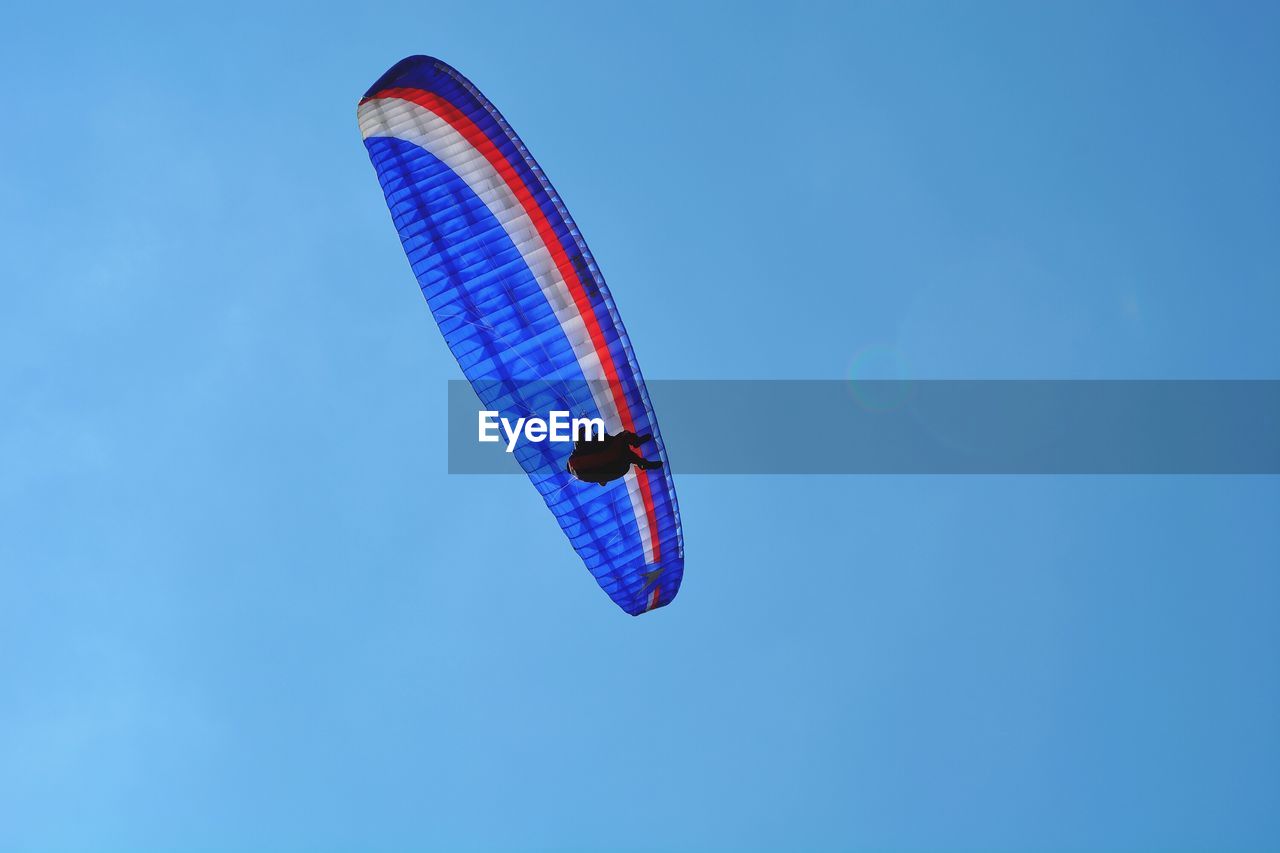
(525, 310)
(606, 459)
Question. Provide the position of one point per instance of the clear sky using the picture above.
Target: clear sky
(242, 606)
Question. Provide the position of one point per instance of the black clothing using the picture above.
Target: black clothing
(609, 459)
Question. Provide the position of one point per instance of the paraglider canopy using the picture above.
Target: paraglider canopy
(524, 309)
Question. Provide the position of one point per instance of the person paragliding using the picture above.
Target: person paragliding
(607, 459)
(525, 310)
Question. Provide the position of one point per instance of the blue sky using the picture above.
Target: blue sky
(242, 606)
